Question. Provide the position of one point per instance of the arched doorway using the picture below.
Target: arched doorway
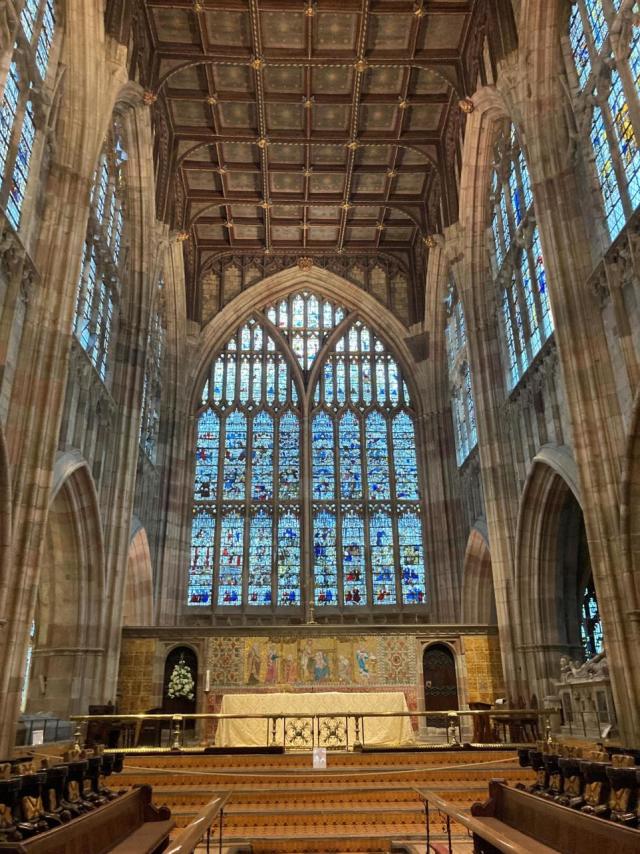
(478, 594)
(179, 691)
(440, 683)
(137, 608)
(68, 615)
(556, 596)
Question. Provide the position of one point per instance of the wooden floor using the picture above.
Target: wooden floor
(360, 803)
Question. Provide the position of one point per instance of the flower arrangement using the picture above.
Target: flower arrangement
(181, 683)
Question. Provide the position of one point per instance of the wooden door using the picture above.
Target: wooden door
(440, 686)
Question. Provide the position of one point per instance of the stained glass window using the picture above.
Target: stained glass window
(17, 115)
(364, 504)
(152, 382)
(462, 402)
(99, 285)
(590, 622)
(518, 270)
(606, 99)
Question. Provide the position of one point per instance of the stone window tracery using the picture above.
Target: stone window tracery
(518, 264)
(306, 466)
(462, 401)
(27, 72)
(604, 37)
(152, 382)
(102, 263)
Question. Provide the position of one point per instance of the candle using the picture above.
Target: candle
(207, 681)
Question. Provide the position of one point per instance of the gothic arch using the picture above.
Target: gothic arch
(478, 596)
(552, 564)
(326, 284)
(137, 608)
(630, 508)
(70, 597)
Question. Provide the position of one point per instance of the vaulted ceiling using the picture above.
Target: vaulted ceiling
(297, 128)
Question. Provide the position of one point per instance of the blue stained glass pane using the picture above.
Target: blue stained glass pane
(8, 112)
(327, 316)
(257, 339)
(231, 558)
(323, 457)
(325, 574)
(283, 377)
(328, 381)
(271, 381)
(289, 456)
(297, 345)
(245, 338)
(405, 394)
(289, 560)
(245, 368)
(367, 390)
(506, 222)
(411, 558)
(46, 37)
(579, 46)
(353, 559)
(103, 189)
(613, 209)
(260, 549)
(377, 457)
(201, 565)
(313, 313)
(517, 199)
(597, 21)
(381, 381)
(341, 382)
(460, 428)
(262, 458)
(208, 443)
(404, 458)
(297, 312)
(235, 456)
(352, 340)
(511, 345)
(394, 382)
(256, 381)
(526, 181)
(541, 278)
(354, 381)
(527, 288)
(627, 142)
(218, 377)
(28, 18)
(634, 56)
(204, 397)
(21, 167)
(365, 340)
(313, 347)
(350, 457)
(382, 564)
(230, 384)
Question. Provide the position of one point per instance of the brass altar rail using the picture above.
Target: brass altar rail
(331, 730)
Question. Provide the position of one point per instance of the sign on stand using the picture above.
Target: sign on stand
(320, 757)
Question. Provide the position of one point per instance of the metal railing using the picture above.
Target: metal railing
(202, 828)
(334, 731)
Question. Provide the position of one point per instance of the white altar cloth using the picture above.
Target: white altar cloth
(378, 731)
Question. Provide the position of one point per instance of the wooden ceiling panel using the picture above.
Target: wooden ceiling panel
(296, 126)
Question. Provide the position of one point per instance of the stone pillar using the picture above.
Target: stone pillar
(95, 70)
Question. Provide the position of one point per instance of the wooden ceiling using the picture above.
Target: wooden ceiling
(291, 127)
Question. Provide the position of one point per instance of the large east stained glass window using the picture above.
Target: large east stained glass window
(27, 72)
(517, 260)
(338, 503)
(605, 47)
(102, 263)
(463, 407)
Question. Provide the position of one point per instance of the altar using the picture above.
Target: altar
(329, 719)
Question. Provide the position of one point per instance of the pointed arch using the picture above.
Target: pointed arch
(478, 596)
(138, 589)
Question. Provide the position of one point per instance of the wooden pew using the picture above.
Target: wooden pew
(516, 822)
(128, 825)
